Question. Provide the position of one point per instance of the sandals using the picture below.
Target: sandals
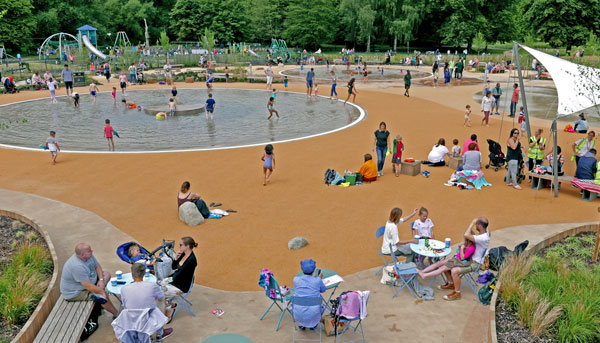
(231, 211)
(173, 307)
(215, 205)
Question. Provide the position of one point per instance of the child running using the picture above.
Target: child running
(174, 93)
(123, 82)
(351, 90)
(270, 105)
(172, 107)
(52, 86)
(397, 157)
(210, 107)
(108, 134)
(269, 163)
(93, 90)
(114, 95)
(467, 116)
(52, 145)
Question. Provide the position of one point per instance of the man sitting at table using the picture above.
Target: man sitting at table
(482, 242)
(140, 295)
(308, 286)
(80, 279)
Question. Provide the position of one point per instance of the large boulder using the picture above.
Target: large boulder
(189, 214)
(297, 243)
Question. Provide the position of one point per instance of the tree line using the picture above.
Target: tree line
(308, 23)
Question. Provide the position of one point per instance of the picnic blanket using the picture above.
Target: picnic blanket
(474, 177)
(587, 185)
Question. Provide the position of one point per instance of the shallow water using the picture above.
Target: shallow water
(322, 73)
(240, 119)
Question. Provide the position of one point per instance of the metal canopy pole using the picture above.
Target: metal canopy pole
(523, 97)
(555, 160)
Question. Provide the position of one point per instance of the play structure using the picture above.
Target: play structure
(279, 49)
(87, 35)
(121, 41)
(59, 44)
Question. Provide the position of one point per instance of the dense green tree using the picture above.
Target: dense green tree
(266, 19)
(460, 20)
(16, 25)
(563, 22)
(406, 24)
(130, 17)
(308, 25)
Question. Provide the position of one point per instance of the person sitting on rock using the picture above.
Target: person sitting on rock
(185, 195)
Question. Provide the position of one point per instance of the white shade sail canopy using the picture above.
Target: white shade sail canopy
(578, 86)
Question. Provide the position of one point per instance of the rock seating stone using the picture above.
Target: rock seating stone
(454, 162)
(297, 243)
(189, 214)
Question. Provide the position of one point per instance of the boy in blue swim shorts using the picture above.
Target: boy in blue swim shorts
(93, 90)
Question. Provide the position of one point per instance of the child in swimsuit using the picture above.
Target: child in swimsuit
(108, 134)
(351, 90)
(269, 163)
(93, 90)
(114, 95)
(271, 109)
(172, 107)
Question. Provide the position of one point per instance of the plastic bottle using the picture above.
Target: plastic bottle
(147, 275)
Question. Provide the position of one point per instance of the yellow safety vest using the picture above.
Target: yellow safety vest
(597, 179)
(581, 144)
(536, 151)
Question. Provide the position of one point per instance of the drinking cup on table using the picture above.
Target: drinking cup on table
(119, 274)
(447, 242)
(113, 281)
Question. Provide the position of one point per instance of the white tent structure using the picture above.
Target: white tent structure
(578, 89)
(578, 86)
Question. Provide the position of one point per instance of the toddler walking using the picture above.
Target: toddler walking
(269, 163)
(467, 116)
(52, 145)
(108, 134)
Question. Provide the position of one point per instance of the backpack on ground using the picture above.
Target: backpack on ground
(92, 324)
(485, 293)
(498, 255)
(329, 176)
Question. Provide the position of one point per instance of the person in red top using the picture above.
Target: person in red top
(469, 141)
(108, 133)
(397, 157)
(514, 100)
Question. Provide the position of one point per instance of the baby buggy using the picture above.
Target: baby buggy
(497, 158)
(139, 76)
(10, 86)
(165, 256)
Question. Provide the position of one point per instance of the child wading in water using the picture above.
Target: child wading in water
(93, 90)
(351, 90)
(397, 157)
(270, 105)
(467, 116)
(108, 133)
(114, 95)
(269, 163)
(52, 85)
(172, 107)
(52, 145)
(174, 93)
(123, 83)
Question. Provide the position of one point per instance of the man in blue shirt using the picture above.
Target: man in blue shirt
(587, 166)
(210, 106)
(309, 81)
(309, 286)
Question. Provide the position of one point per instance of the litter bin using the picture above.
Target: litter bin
(78, 79)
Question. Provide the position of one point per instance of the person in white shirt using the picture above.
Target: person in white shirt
(390, 236)
(423, 225)
(486, 107)
(482, 243)
(437, 154)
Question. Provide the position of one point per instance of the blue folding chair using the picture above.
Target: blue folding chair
(470, 280)
(406, 275)
(307, 301)
(354, 327)
(181, 300)
(285, 301)
(378, 233)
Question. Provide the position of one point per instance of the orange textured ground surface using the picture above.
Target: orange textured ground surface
(137, 192)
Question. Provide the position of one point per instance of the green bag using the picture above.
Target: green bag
(350, 178)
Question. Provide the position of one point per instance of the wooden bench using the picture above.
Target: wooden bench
(66, 322)
(536, 179)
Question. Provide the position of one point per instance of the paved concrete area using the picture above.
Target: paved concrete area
(401, 318)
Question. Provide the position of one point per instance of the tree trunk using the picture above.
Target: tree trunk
(486, 47)
(395, 42)
(369, 44)
(469, 46)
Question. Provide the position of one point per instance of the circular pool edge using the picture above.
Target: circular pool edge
(370, 81)
(362, 116)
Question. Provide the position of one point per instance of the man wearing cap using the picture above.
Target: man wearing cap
(308, 286)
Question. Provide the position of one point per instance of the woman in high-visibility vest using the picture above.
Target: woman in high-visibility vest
(597, 179)
(535, 155)
(582, 146)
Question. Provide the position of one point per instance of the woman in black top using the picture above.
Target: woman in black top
(380, 144)
(513, 156)
(184, 265)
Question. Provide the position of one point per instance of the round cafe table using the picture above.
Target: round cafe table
(327, 273)
(421, 250)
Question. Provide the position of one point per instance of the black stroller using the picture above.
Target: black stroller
(497, 158)
(139, 75)
(10, 86)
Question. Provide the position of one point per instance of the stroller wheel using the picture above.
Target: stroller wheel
(487, 166)
(496, 169)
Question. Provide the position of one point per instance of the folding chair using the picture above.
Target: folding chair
(470, 280)
(307, 301)
(378, 233)
(181, 300)
(284, 300)
(410, 274)
(349, 325)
